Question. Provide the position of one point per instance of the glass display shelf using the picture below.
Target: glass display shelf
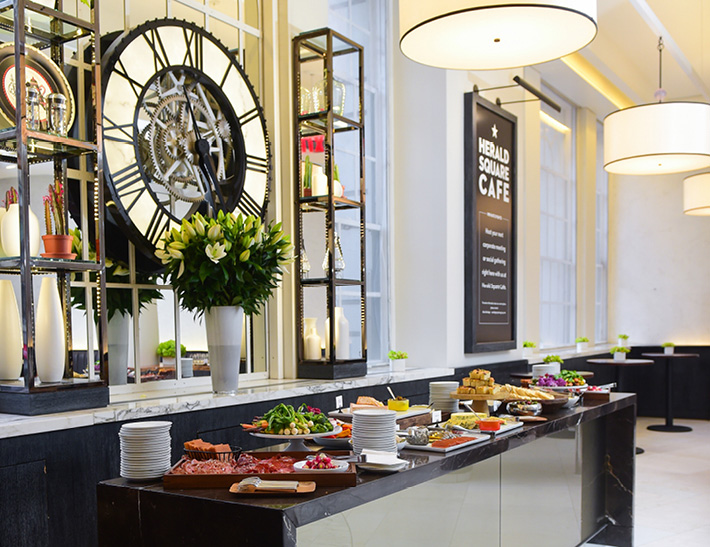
(316, 47)
(45, 25)
(67, 383)
(42, 146)
(320, 203)
(38, 264)
(316, 123)
(323, 281)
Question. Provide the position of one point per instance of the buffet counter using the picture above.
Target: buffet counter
(558, 482)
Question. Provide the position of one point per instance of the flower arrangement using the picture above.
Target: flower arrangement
(168, 349)
(529, 344)
(667, 345)
(552, 359)
(54, 209)
(581, 340)
(619, 349)
(11, 197)
(225, 261)
(117, 300)
(397, 354)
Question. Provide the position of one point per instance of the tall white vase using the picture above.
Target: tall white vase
(342, 340)
(10, 333)
(10, 232)
(50, 340)
(118, 329)
(224, 326)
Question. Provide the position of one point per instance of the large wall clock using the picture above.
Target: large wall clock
(183, 130)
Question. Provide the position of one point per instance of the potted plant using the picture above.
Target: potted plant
(553, 359)
(167, 352)
(528, 348)
(623, 340)
(619, 352)
(223, 268)
(398, 360)
(119, 306)
(57, 242)
(668, 348)
(582, 343)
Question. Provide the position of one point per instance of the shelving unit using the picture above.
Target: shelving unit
(54, 32)
(327, 64)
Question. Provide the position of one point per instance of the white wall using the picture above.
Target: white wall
(658, 262)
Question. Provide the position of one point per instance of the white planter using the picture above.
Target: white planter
(527, 352)
(186, 367)
(50, 341)
(10, 332)
(398, 365)
(10, 232)
(668, 350)
(582, 346)
(619, 356)
(118, 328)
(224, 341)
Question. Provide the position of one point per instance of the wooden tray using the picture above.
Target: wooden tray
(422, 413)
(303, 488)
(344, 478)
(480, 400)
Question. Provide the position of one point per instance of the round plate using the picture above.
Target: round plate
(335, 431)
(382, 468)
(341, 467)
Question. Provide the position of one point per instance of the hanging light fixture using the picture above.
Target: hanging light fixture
(657, 138)
(696, 195)
(493, 34)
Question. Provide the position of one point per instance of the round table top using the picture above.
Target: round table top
(671, 355)
(621, 362)
(582, 373)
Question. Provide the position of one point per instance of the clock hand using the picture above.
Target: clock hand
(204, 160)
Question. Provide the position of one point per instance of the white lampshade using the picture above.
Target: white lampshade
(493, 34)
(657, 138)
(696, 195)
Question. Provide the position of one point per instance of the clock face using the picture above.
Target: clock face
(150, 132)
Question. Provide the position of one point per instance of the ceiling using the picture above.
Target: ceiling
(625, 52)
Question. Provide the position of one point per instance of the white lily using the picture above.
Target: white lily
(215, 252)
(175, 253)
(214, 233)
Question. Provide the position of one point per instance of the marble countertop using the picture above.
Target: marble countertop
(163, 403)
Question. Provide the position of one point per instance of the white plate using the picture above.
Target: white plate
(342, 467)
(382, 468)
(335, 431)
(341, 443)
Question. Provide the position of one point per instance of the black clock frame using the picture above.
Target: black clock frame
(242, 160)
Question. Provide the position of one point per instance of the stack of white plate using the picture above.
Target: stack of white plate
(374, 430)
(145, 450)
(440, 396)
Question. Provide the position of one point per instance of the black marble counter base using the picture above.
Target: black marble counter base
(143, 514)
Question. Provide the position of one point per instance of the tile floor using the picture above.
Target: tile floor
(673, 486)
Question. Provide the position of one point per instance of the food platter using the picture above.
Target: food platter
(296, 443)
(475, 439)
(341, 466)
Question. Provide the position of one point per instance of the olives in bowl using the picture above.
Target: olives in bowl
(524, 408)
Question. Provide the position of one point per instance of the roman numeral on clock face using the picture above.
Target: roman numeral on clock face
(118, 132)
(120, 69)
(248, 205)
(160, 56)
(193, 50)
(129, 185)
(248, 116)
(159, 222)
(257, 164)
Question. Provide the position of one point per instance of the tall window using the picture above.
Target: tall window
(365, 22)
(557, 224)
(602, 244)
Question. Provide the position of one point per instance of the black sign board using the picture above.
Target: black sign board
(490, 227)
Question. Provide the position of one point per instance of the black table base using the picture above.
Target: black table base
(670, 428)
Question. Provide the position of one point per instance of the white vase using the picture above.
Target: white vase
(398, 365)
(10, 333)
(50, 339)
(118, 329)
(10, 232)
(319, 181)
(342, 338)
(186, 367)
(312, 344)
(527, 352)
(224, 326)
(668, 350)
(581, 346)
(619, 356)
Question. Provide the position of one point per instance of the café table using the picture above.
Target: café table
(622, 363)
(668, 426)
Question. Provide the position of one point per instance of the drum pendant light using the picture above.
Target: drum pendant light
(493, 34)
(657, 138)
(696, 195)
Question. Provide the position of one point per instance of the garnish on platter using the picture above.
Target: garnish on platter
(285, 420)
(566, 378)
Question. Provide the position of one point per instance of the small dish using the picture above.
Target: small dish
(399, 405)
(489, 424)
(524, 408)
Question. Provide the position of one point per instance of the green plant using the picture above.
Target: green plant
(397, 354)
(307, 172)
(167, 349)
(619, 349)
(225, 261)
(11, 197)
(54, 208)
(117, 300)
(552, 359)
(623, 337)
(667, 345)
(529, 344)
(581, 339)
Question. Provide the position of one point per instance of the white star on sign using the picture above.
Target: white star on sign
(494, 130)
